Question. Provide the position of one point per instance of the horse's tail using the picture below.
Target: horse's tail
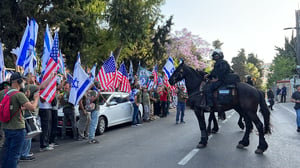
(265, 112)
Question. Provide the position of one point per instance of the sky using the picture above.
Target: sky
(255, 25)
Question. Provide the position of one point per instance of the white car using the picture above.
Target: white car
(115, 109)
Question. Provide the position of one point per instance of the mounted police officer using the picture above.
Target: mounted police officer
(217, 76)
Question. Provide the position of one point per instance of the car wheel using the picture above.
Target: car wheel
(101, 126)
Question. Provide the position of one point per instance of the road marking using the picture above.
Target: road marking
(193, 152)
(188, 157)
(293, 112)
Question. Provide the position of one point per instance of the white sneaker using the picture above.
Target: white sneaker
(48, 148)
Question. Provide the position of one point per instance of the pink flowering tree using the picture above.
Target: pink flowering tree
(191, 48)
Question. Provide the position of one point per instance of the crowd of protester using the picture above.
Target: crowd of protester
(156, 103)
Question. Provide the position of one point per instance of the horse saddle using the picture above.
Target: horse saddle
(225, 94)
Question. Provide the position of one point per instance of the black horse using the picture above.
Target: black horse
(245, 102)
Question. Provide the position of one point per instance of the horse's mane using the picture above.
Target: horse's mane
(199, 73)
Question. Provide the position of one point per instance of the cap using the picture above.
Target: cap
(16, 75)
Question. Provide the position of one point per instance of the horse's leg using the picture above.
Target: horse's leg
(210, 118)
(241, 123)
(262, 144)
(216, 125)
(222, 115)
(201, 120)
(245, 141)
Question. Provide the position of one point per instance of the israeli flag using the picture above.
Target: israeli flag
(33, 31)
(93, 72)
(22, 51)
(48, 41)
(30, 63)
(80, 84)
(1, 64)
(169, 67)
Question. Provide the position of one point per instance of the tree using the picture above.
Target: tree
(284, 63)
(191, 48)
(239, 64)
(13, 21)
(160, 40)
(129, 20)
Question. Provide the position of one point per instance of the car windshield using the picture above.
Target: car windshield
(103, 98)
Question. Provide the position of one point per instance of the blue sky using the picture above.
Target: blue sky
(255, 25)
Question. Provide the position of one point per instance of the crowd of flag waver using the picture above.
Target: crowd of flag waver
(52, 61)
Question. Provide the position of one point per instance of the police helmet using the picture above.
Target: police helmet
(217, 52)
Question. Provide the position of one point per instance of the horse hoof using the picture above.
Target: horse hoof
(259, 151)
(201, 145)
(240, 146)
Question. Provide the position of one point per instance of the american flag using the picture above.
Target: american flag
(48, 93)
(123, 79)
(107, 73)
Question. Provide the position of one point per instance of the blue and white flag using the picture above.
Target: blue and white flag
(69, 78)
(80, 84)
(1, 64)
(22, 50)
(93, 72)
(130, 74)
(169, 67)
(48, 41)
(28, 43)
(61, 64)
(33, 31)
(30, 63)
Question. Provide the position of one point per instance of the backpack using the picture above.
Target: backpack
(5, 106)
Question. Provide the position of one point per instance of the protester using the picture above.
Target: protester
(84, 119)
(3, 85)
(30, 89)
(69, 112)
(270, 96)
(93, 106)
(182, 97)
(296, 99)
(283, 94)
(54, 121)
(163, 101)
(156, 102)
(45, 109)
(146, 104)
(135, 100)
(15, 128)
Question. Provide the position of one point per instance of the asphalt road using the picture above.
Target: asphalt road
(163, 144)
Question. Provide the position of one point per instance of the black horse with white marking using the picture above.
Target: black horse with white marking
(245, 102)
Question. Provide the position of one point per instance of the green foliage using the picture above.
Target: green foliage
(239, 64)
(284, 63)
(129, 20)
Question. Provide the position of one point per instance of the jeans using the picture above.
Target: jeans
(298, 117)
(26, 147)
(180, 110)
(135, 116)
(69, 114)
(45, 115)
(94, 123)
(14, 140)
